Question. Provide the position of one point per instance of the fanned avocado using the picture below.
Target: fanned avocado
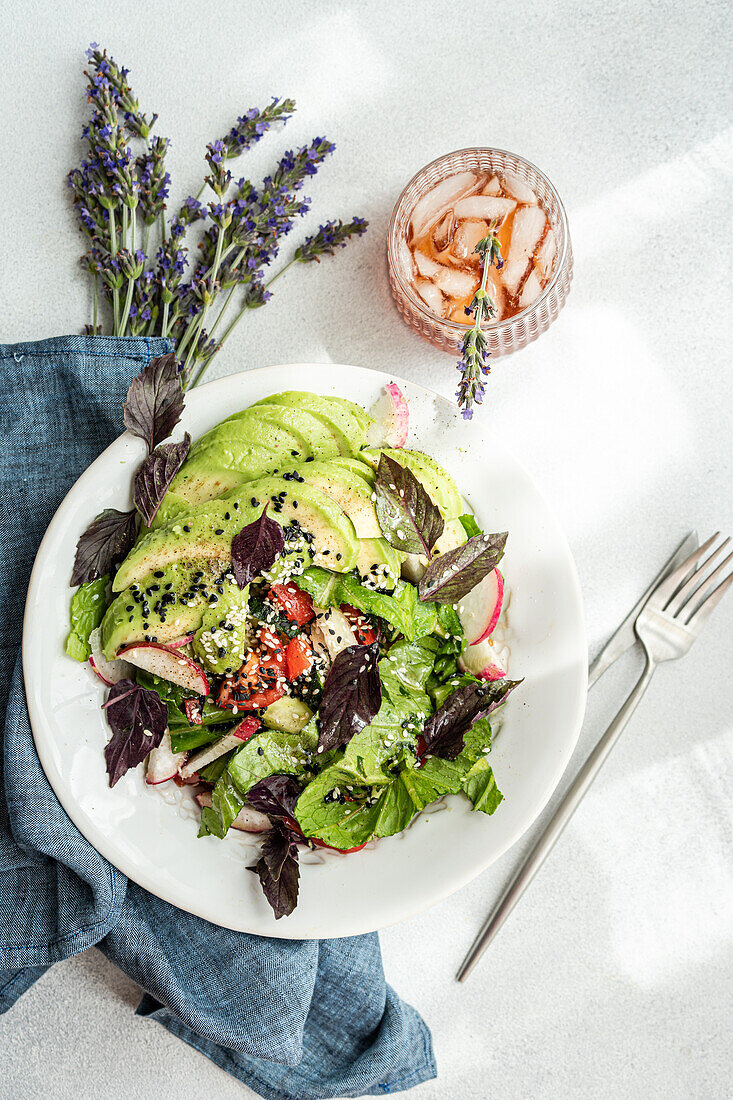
(315, 437)
(253, 428)
(349, 490)
(201, 481)
(438, 482)
(207, 530)
(345, 420)
(163, 605)
(221, 640)
(357, 466)
(378, 564)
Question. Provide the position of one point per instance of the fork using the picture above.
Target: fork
(667, 625)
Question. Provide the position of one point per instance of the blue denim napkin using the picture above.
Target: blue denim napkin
(293, 1019)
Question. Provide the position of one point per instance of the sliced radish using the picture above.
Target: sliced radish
(479, 611)
(163, 762)
(391, 419)
(481, 661)
(179, 643)
(167, 663)
(225, 744)
(247, 820)
(109, 672)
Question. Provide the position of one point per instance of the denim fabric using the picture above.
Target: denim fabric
(293, 1019)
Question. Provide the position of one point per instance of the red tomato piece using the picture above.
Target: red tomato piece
(246, 729)
(299, 657)
(364, 631)
(260, 680)
(297, 605)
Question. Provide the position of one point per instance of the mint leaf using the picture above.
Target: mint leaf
(352, 696)
(452, 575)
(469, 525)
(154, 476)
(409, 519)
(154, 401)
(226, 802)
(256, 548)
(106, 541)
(138, 718)
(278, 871)
(88, 605)
(480, 786)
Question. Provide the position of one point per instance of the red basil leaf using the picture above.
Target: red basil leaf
(155, 401)
(445, 730)
(452, 575)
(352, 695)
(256, 548)
(106, 541)
(156, 473)
(409, 519)
(279, 871)
(138, 718)
(276, 795)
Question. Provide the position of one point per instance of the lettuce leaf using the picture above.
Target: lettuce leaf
(88, 605)
(271, 752)
(226, 802)
(402, 608)
(340, 824)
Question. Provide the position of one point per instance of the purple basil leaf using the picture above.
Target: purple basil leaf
(138, 718)
(452, 575)
(352, 695)
(408, 518)
(444, 731)
(279, 871)
(105, 542)
(155, 401)
(154, 476)
(276, 795)
(256, 548)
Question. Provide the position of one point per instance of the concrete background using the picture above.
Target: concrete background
(613, 978)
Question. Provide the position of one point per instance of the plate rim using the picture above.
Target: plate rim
(448, 886)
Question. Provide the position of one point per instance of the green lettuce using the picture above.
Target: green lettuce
(271, 752)
(226, 802)
(402, 608)
(88, 605)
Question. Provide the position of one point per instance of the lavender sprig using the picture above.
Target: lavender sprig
(474, 361)
(332, 235)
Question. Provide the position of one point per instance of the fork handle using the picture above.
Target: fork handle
(561, 817)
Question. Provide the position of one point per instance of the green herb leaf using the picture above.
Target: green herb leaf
(226, 802)
(88, 605)
(469, 525)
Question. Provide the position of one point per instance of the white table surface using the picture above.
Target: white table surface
(613, 978)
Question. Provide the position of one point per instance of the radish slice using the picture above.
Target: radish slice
(480, 660)
(247, 820)
(167, 663)
(163, 762)
(225, 744)
(179, 643)
(479, 611)
(109, 672)
(391, 418)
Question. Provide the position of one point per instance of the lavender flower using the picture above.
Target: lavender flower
(251, 126)
(115, 78)
(153, 179)
(332, 235)
(474, 362)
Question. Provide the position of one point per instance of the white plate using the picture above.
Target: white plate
(151, 836)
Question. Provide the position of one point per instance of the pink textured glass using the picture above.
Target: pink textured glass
(515, 332)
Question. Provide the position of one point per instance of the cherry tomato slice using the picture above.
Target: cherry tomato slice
(364, 631)
(298, 657)
(297, 605)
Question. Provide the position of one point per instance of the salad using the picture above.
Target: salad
(295, 619)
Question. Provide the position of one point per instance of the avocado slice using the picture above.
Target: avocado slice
(437, 481)
(139, 611)
(221, 640)
(357, 466)
(349, 490)
(287, 714)
(202, 480)
(314, 436)
(346, 421)
(207, 530)
(253, 428)
(378, 564)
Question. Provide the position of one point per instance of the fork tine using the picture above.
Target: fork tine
(698, 583)
(700, 616)
(668, 587)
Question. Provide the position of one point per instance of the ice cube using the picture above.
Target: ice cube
(455, 283)
(518, 189)
(442, 234)
(433, 203)
(426, 266)
(468, 234)
(530, 291)
(497, 293)
(545, 255)
(430, 295)
(404, 258)
(493, 187)
(488, 207)
(527, 228)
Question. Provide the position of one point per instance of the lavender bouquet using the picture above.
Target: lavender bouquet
(144, 283)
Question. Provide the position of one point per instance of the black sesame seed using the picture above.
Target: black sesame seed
(338, 557)
(255, 502)
(130, 607)
(158, 573)
(186, 528)
(260, 751)
(227, 515)
(219, 531)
